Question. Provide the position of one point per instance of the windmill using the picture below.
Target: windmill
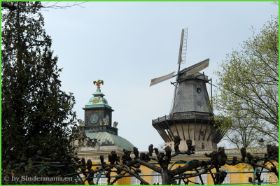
(191, 116)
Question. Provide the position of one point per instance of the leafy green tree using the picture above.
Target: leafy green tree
(242, 131)
(36, 113)
(248, 88)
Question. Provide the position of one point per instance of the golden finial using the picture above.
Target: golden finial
(98, 83)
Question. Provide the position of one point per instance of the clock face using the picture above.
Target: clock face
(94, 118)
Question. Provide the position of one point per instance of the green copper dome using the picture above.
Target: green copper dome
(97, 100)
(108, 139)
(98, 122)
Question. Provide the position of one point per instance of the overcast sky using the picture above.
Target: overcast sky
(127, 44)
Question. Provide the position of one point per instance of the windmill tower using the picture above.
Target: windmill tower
(191, 116)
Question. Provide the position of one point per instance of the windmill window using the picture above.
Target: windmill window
(198, 90)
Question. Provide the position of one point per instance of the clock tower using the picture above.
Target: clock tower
(97, 134)
(98, 113)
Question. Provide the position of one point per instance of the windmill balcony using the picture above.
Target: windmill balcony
(197, 126)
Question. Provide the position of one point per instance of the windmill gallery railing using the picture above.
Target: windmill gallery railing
(179, 171)
(184, 116)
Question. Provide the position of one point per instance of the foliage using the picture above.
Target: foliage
(165, 163)
(222, 122)
(249, 88)
(36, 113)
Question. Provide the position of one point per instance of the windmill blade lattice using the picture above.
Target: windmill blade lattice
(184, 46)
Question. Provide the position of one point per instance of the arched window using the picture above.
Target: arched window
(227, 178)
(265, 176)
(156, 178)
(135, 181)
(101, 180)
(204, 179)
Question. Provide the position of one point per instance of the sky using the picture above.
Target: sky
(126, 44)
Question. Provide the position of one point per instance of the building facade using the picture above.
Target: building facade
(98, 135)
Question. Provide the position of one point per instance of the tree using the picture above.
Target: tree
(175, 171)
(248, 87)
(36, 113)
(242, 131)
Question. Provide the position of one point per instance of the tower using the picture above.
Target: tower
(98, 126)
(191, 116)
(98, 113)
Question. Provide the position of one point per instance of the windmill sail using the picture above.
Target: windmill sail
(162, 78)
(184, 46)
(195, 68)
(182, 57)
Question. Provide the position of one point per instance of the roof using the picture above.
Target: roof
(108, 139)
(98, 100)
